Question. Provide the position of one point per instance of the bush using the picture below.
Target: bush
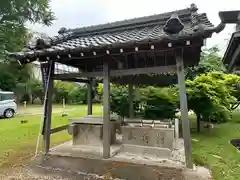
(151, 103)
(61, 91)
(119, 102)
(211, 95)
(78, 95)
(7, 80)
(159, 103)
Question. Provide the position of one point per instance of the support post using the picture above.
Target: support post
(184, 108)
(48, 108)
(176, 125)
(106, 111)
(130, 98)
(89, 96)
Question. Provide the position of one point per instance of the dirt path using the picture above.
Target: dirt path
(39, 111)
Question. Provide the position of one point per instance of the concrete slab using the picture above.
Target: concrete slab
(114, 168)
(67, 149)
(86, 162)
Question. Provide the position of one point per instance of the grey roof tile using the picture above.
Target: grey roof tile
(122, 32)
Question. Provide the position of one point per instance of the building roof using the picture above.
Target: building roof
(232, 54)
(121, 34)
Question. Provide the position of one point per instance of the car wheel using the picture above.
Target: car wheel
(8, 113)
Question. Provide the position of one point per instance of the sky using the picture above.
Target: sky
(79, 13)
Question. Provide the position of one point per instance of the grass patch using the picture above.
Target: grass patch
(211, 147)
(17, 139)
(214, 150)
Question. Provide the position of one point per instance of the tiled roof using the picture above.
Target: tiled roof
(232, 50)
(120, 33)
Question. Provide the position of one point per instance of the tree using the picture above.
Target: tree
(78, 95)
(35, 90)
(14, 15)
(211, 95)
(7, 80)
(14, 35)
(210, 61)
(119, 102)
(159, 103)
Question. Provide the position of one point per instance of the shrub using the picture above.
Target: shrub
(119, 102)
(61, 91)
(78, 95)
(159, 103)
(210, 96)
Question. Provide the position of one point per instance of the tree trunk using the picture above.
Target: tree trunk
(198, 123)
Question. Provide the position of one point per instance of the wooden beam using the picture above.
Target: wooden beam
(77, 80)
(234, 58)
(120, 72)
(58, 129)
(89, 96)
(106, 111)
(184, 108)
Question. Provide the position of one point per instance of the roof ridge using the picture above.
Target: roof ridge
(132, 21)
(65, 33)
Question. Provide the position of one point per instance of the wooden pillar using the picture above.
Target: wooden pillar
(48, 108)
(184, 108)
(89, 96)
(130, 98)
(106, 111)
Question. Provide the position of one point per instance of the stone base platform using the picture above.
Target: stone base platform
(126, 162)
(122, 164)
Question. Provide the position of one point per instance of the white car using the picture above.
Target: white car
(8, 104)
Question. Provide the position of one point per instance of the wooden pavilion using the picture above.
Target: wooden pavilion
(125, 52)
(232, 53)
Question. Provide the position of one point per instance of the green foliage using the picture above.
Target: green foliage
(210, 96)
(99, 89)
(14, 15)
(210, 61)
(159, 103)
(14, 35)
(61, 90)
(71, 92)
(20, 11)
(150, 103)
(78, 95)
(119, 102)
(35, 89)
(7, 80)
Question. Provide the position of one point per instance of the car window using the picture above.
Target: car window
(6, 97)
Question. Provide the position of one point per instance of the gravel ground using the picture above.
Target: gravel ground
(22, 172)
(178, 153)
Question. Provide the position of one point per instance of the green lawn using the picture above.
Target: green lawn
(18, 140)
(211, 147)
